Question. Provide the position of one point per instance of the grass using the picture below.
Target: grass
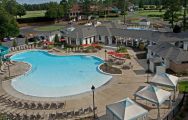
(150, 12)
(183, 86)
(49, 28)
(31, 14)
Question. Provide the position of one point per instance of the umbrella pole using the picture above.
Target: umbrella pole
(170, 102)
(158, 116)
(174, 99)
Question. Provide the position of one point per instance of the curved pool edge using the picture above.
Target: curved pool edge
(46, 51)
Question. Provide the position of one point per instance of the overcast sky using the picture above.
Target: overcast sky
(35, 1)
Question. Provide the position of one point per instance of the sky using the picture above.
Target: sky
(36, 1)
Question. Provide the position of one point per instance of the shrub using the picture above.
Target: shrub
(26, 41)
(14, 43)
(98, 47)
(177, 29)
(141, 46)
(152, 7)
(121, 49)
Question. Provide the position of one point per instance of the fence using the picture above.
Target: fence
(171, 115)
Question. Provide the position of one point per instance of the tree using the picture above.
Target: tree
(172, 8)
(177, 29)
(86, 6)
(56, 39)
(26, 41)
(184, 2)
(66, 7)
(20, 11)
(55, 11)
(14, 43)
(8, 24)
(11, 6)
(108, 4)
(141, 4)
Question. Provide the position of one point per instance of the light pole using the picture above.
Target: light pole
(93, 90)
(148, 71)
(105, 54)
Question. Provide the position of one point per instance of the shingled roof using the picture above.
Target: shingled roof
(114, 29)
(170, 52)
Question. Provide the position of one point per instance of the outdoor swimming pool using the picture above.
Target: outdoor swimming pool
(56, 76)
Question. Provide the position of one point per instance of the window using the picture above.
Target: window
(99, 37)
(184, 62)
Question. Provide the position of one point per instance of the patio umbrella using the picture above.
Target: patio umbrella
(125, 109)
(155, 95)
(166, 80)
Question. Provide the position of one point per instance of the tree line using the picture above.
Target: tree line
(9, 9)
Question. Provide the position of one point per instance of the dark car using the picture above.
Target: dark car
(21, 36)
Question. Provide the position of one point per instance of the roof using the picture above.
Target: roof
(127, 109)
(144, 20)
(170, 52)
(153, 94)
(81, 32)
(165, 80)
(115, 29)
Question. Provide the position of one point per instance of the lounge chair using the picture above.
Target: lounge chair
(38, 116)
(46, 106)
(60, 105)
(32, 117)
(3, 68)
(59, 116)
(26, 105)
(40, 106)
(32, 106)
(70, 114)
(52, 116)
(77, 113)
(18, 117)
(64, 114)
(81, 111)
(53, 106)
(25, 117)
(19, 105)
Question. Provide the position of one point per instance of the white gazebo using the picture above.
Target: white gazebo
(155, 95)
(125, 109)
(166, 80)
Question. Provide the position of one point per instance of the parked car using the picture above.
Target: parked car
(21, 36)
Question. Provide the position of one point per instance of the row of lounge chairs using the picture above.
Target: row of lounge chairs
(10, 116)
(30, 105)
(4, 67)
(80, 113)
(22, 47)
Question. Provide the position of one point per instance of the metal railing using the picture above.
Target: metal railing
(176, 109)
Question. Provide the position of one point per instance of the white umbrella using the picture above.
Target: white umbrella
(125, 109)
(154, 94)
(167, 80)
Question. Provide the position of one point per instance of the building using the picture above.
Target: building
(168, 56)
(144, 22)
(166, 50)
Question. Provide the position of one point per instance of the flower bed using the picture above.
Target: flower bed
(109, 69)
(89, 48)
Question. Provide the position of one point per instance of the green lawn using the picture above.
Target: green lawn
(49, 28)
(151, 12)
(30, 14)
(183, 86)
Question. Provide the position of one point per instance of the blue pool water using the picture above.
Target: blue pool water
(55, 76)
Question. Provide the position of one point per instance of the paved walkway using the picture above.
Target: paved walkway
(119, 87)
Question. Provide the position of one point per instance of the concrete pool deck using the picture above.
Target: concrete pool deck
(119, 87)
